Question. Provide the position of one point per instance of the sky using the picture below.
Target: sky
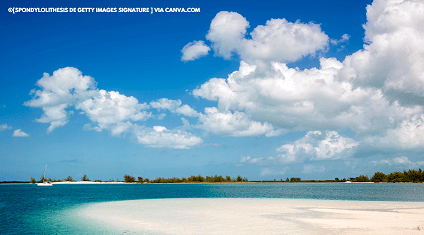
(262, 89)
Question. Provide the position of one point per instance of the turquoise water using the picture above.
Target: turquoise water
(28, 209)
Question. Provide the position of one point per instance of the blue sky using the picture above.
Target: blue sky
(266, 90)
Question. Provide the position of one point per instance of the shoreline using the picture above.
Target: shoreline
(250, 182)
(258, 216)
(87, 182)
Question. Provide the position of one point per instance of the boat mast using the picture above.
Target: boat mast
(44, 175)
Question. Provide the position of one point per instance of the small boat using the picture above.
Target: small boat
(348, 181)
(45, 183)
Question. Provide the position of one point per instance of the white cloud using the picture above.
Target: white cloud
(409, 134)
(259, 160)
(4, 127)
(398, 161)
(55, 115)
(294, 99)
(185, 123)
(231, 124)
(376, 92)
(276, 132)
(194, 50)
(277, 40)
(66, 85)
(159, 128)
(345, 38)
(383, 161)
(401, 160)
(68, 89)
(318, 146)
(280, 40)
(174, 106)
(226, 32)
(56, 123)
(270, 171)
(314, 146)
(160, 137)
(165, 103)
(393, 57)
(19, 133)
(110, 109)
(118, 128)
(187, 111)
(216, 122)
(244, 159)
(312, 169)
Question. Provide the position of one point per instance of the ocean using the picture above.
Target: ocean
(28, 209)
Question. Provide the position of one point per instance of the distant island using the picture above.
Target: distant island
(410, 176)
(132, 179)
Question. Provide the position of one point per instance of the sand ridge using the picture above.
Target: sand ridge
(258, 216)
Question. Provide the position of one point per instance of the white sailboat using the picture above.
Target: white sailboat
(348, 179)
(45, 183)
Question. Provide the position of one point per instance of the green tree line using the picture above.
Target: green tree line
(69, 178)
(413, 176)
(191, 179)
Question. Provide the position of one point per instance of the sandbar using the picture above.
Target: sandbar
(258, 216)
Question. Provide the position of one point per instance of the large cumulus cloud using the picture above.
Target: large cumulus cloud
(392, 58)
(68, 90)
(377, 92)
(277, 40)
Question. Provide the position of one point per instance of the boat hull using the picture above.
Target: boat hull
(44, 184)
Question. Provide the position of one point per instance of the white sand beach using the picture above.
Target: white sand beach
(258, 216)
(87, 182)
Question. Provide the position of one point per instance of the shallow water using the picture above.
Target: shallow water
(28, 209)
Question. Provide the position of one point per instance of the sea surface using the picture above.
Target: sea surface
(28, 209)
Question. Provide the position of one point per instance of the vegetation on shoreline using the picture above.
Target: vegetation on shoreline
(412, 176)
(191, 179)
(132, 179)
